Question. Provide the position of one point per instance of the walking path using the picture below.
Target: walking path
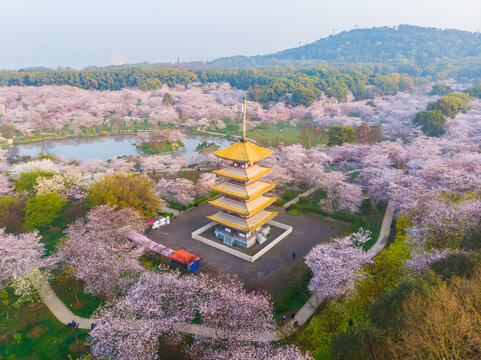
(165, 207)
(59, 309)
(64, 315)
(296, 199)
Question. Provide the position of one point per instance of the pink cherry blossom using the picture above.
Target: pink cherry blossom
(335, 263)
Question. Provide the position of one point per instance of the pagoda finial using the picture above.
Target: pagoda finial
(244, 120)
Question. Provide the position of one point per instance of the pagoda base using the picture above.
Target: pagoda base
(279, 232)
(229, 237)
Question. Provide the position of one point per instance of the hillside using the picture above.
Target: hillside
(404, 44)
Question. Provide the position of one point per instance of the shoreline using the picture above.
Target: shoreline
(63, 137)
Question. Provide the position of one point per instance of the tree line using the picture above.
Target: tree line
(297, 85)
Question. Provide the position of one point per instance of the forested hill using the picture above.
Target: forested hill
(402, 44)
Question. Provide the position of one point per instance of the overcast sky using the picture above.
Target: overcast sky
(80, 33)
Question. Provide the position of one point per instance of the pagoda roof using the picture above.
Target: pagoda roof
(246, 208)
(244, 151)
(250, 224)
(249, 191)
(248, 174)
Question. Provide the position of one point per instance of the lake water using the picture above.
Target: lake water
(105, 147)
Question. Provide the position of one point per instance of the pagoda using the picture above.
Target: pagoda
(243, 218)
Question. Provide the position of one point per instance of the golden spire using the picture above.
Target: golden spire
(244, 120)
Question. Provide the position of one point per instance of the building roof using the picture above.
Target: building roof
(246, 208)
(244, 151)
(249, 191)
(250, 224)
(249, 174)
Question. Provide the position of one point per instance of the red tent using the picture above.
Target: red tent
(186, 259)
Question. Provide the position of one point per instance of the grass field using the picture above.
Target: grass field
(32, 332)
(71, 290)
(273, 135)
(294, 297)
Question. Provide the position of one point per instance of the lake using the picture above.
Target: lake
(105, 147)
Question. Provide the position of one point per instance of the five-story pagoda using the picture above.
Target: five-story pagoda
(243, 218)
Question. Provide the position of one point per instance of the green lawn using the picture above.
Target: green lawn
(159, 147)
(189, 175)
(180, 207)
(272, 135)
(66, 290)
(294, 297)
(53, 233)
(32, 332)
(289, 193)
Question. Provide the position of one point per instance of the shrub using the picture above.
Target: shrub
(431, 121)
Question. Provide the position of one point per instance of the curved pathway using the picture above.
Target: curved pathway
(64, 315)
(59, 309)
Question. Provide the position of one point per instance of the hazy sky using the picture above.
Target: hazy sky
(78, 33)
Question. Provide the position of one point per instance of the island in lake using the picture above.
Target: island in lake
(207, 147)
(160, 141)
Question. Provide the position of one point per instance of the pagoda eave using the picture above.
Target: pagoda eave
(228, 172)
(242, 208)
(236, 193)
(243, 151)
(242, 224)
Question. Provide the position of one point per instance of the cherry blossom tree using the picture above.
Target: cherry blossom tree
(45, 165)
(335, 263)
(121, 165)
(179, 190)
(30, 287)
(341, 195)
(98, 250)
(203, 185)
(233, 310)
(421, 260)
(19, 254)
(130, 327)
(257, 352)
(160, 164)
(6, 186)
(3, 160)
(93, 166)
(47, 185)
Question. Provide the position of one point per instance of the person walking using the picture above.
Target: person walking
(283, 319)
(293, 314)
(293, 255)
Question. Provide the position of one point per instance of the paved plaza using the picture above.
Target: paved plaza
(274, 271)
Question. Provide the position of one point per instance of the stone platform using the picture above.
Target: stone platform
(206, 236)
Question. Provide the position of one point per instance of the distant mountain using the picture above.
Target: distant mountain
(404, 44)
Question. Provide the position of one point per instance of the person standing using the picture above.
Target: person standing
(293, 255)
(293, 314)
(283, 319)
